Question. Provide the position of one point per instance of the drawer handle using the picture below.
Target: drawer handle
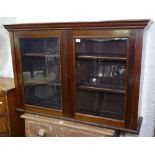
(42, 132)
(1, 102)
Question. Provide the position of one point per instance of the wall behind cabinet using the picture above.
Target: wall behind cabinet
(5, 51)
(147, 85)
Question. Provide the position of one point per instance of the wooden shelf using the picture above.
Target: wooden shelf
(40, 55)
(54, 84)
(34, 82)
(101, 89)
(95, 111)
(87, 57)
(107, 39)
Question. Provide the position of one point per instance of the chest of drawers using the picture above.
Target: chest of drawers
(4, 121)
(8, 116)
(41, 126)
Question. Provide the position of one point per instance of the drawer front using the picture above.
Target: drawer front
(2, 104)
(70, 132)
(38, 129)
(4, 125)
(36, 125)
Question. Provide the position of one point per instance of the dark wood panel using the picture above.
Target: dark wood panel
(16, 123)
(16, 69)
(64, 73)
(71, 75)
(128, 24)
(98, 34)
(43, 110)
(134, 70)
(38, 34)
(120, 124)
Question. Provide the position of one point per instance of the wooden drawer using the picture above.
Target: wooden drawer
(50, 130)
(70, 132)
(4, 125)
(38, 129)
(50, 127)
(2, 104)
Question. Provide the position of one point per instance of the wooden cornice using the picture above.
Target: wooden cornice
(120, 24)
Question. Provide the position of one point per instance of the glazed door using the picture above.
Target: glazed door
(41, 57)
(99, 76)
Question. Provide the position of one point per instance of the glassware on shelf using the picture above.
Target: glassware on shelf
(93, 81)
(102, 55)
(122, 70)
(101, 74)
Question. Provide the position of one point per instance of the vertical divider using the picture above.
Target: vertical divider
(71, 73)
(129, 87)
(64, 72)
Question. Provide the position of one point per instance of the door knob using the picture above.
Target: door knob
(42, 132)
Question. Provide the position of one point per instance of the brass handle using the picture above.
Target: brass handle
(42, 132)
(1, 102)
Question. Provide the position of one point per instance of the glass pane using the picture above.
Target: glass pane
(41, 71)
(101, 74)
(101, 47)
(100, 104)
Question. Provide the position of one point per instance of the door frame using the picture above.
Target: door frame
(63, 70)
(110, 33)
